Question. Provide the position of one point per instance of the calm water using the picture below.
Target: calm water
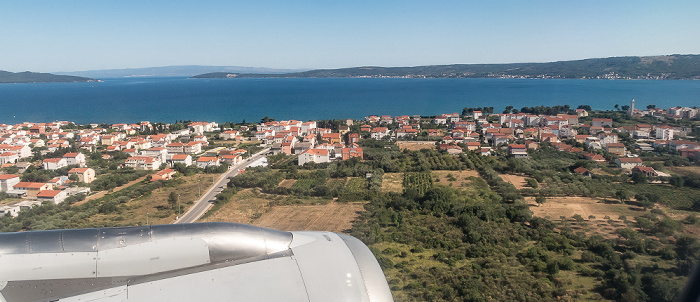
(170, 99)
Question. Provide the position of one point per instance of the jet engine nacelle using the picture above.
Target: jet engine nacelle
(187, 262)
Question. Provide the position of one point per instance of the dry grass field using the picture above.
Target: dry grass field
(287, 183)
(415, 146)
(332, 217)
(460, 178)
(392, 182)
(518, 181)
(685, 171)
(154, 208)
(250, 207)
(243, 208)
(555, 207)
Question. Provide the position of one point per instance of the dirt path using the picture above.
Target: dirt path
(103, 193)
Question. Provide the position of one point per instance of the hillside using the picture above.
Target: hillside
(657, 67)
(34, 77)
(174, 71)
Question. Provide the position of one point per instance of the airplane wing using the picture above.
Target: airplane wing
(187, 262)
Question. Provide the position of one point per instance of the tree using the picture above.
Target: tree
(622, 195)
(651, 106)
(172, 199)
(540, 200)
(585, 107)
(639, 178)
(617, 107)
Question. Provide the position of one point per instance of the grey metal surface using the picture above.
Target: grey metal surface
(375, 281)
(328, 268)
(187, 262)
(30, 262)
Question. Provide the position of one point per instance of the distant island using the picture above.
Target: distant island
(35, 77)
(174, 71)
(672, 67)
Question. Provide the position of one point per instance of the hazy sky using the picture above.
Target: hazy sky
(49, 36)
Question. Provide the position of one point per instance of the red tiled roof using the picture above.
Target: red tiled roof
(34, 185)
(7, 176)
(48, 193)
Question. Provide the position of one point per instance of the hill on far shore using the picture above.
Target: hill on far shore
(35, 77)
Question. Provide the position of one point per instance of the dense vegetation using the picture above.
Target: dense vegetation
(668, 67)
(480, 242)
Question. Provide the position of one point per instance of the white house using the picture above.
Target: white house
(628, 162)
(8, 158)
(314, 155)
(55, 196)
(664, 132)
(22, 151)
(75, 159)
(206, 161)
(379, 132)
(54, 163)
(184, 159)
(143, 162)
(159, 152)
(8, 181)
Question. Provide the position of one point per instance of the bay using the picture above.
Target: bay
(128, 100)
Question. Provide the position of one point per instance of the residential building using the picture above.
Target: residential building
(628, 162)
(616, 148)
(184, 159)
(518, 151)
(451, 149)
(231, 159)
(348, 153)
(8, 181)
(159, 152)
(8, 158)
(55, 196)
(143, 162)
(165, 174)
(206, 161)
(379, 132)
(54, 163)
(31, 189)
(314, 155)
(86, 175)
(664, 132)
(602, 122)
(75, 159)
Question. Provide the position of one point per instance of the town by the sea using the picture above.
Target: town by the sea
(170, 99)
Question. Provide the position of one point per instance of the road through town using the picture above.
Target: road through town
(207, 200)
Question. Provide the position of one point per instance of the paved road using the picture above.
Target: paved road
(206, 201)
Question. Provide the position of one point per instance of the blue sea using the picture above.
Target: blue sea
(170, 99)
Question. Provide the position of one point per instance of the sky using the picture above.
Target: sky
(52, 36)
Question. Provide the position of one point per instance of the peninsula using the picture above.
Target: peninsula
(652, 67)
(35, 77)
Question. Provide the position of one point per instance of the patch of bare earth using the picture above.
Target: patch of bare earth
(392, 182)
(592, 210)
(518, 181)
(453, 178)
(415, 146)
(332, 217)
(242, 208)
(685, 171)
(287, 183)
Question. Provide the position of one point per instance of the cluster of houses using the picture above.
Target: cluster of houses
(146, 152)
(479, 132)
(309, 142)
